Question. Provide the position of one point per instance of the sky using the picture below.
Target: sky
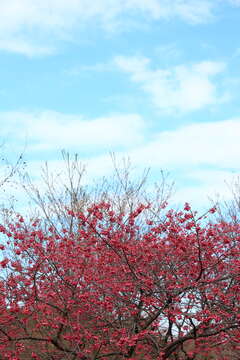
(157, 81)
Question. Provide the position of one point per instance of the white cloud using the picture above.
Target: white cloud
(25, 47)
(181, 88)
(201, 156)
(195, 11)
(210, 144)
(66, 13)
(207, 153)
(24, 20)
(52, 130)
(209, 185)
(199, 187)
(213, 144)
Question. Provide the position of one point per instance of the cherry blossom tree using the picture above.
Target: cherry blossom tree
(120, 285)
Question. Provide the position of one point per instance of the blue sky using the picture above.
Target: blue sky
(155, 80)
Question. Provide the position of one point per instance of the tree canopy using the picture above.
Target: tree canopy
(121, 285)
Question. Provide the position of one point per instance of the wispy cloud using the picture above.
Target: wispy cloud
(52, 130)
(201, 155)
(25, 47)
(235, 2)
(199, 144)
(94, 68)
(204, 187)
(206, 145)
(182, 88)
(21, 21)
